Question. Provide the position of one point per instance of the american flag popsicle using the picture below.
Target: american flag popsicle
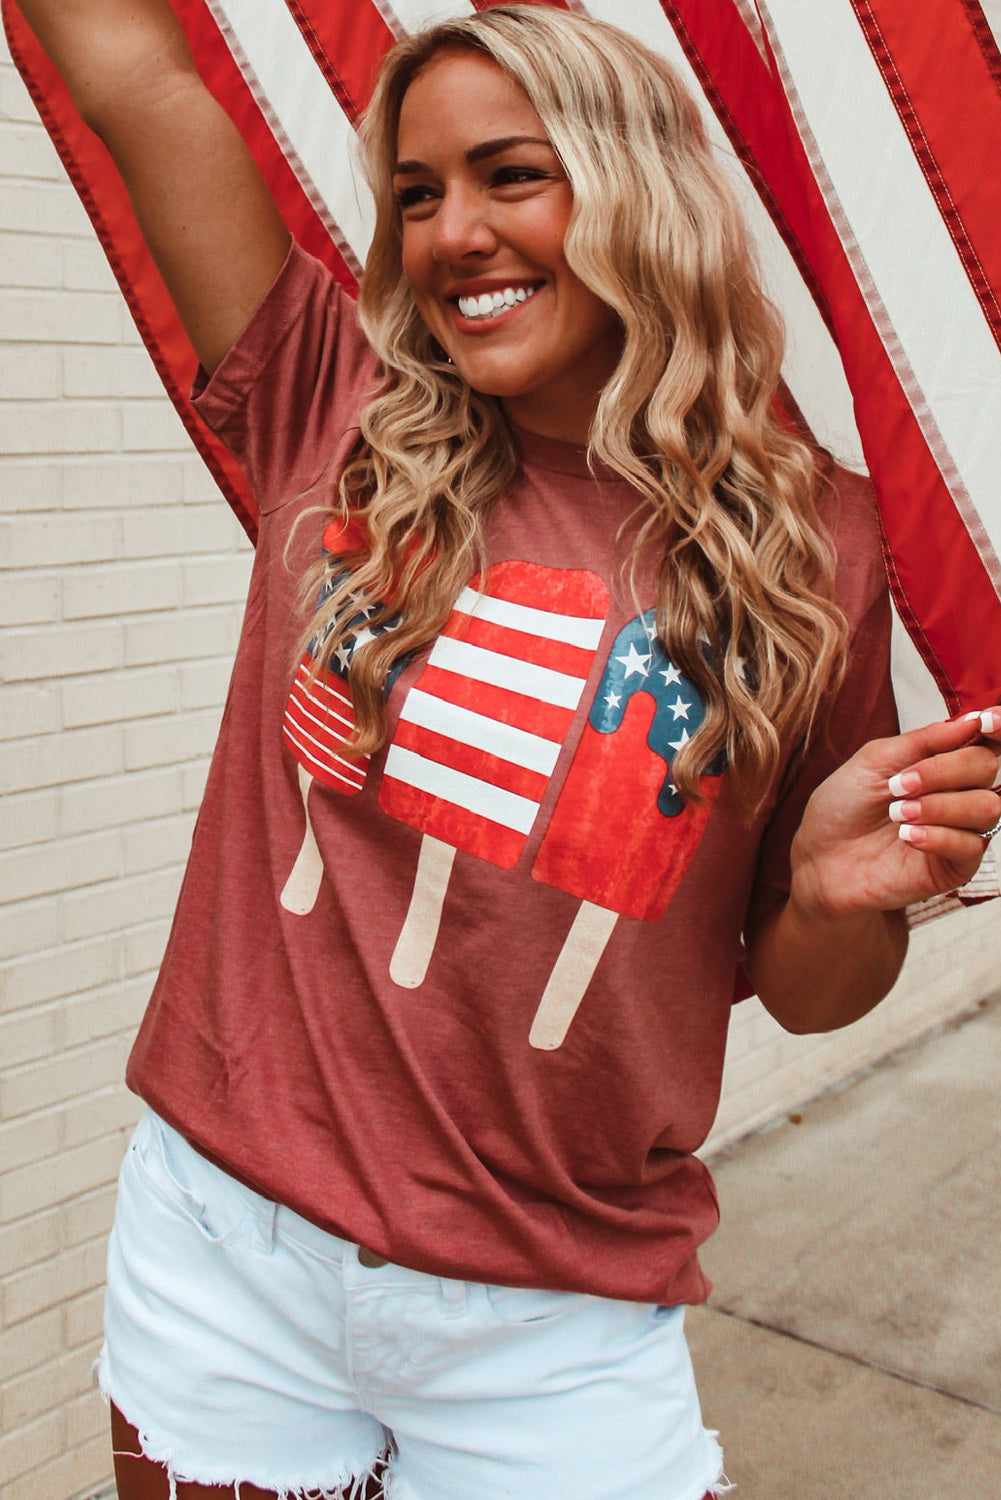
(481, 731)
(319, 718)
(621, 836)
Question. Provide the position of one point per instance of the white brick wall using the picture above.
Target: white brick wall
(122, 576)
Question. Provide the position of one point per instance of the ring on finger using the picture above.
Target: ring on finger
(991, 832)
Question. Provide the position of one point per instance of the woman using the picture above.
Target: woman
(528, 744)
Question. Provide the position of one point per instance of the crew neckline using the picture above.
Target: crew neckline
(561, 457)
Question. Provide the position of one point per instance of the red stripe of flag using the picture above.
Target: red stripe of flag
(980, 26)
(941, 83)
(446, 751)
(453, 825)
(348, 38)
(572, 661)
(953, 603)
(546, 720)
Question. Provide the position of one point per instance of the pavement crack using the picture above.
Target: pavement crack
(858, 1359)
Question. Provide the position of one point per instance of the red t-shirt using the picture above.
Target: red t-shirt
(472, 1011)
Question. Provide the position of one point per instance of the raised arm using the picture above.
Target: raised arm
(202, 205)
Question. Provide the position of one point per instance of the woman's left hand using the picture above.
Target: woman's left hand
(902, 820)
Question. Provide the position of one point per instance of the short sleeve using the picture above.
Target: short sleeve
(863, 708)
(292, 384)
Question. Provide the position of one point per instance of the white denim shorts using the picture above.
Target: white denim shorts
(247, 1345)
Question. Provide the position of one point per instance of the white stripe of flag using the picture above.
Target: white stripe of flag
(293, 93)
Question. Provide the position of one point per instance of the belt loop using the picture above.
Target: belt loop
(454, 1294)
(266, 1216)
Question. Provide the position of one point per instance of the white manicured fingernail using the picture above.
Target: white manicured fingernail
(990, 721)
(975, 715)
(911, 833)
(904, 812)
(903, 782)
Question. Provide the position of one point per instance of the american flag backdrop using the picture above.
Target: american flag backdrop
(864, 137)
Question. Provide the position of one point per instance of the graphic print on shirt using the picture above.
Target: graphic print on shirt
(621, 836)
(481, 731)
(319, 717)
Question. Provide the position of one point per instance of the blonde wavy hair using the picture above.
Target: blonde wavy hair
(725, 492)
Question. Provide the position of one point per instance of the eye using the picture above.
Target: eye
(412, 196)
(512, 176)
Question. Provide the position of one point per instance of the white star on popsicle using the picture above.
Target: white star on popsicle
(612, 700)
(677, 744)
(671, 676)
(635, 662)
(679, 708)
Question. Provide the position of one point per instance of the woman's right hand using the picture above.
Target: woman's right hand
(202, 205)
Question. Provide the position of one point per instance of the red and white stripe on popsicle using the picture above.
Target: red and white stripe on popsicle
(319, 719)
(480, 733)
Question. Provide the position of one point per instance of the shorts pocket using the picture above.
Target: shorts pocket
(218, 1206)
(515, 1306)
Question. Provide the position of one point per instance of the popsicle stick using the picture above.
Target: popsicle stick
(303, 885)
(573, 972)
(416, 942)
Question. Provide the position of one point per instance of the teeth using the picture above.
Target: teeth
(488, 304)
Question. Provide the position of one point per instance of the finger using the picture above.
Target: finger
(989, 725)
(904, 751)
(989, 720)
(955, 847)
(975, 811)
(973, 766)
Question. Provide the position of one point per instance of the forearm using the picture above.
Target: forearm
(816, 973)
(199, 199)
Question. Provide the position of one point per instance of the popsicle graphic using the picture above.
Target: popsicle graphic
(621, 836)
(319, 719)
(481, 730)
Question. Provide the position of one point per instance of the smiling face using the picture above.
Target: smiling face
(485, 206)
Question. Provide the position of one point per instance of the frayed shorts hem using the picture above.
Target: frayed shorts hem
(347, 1486)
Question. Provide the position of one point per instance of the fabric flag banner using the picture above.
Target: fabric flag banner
(864, 139)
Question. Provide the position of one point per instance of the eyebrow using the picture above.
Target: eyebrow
(479, 153)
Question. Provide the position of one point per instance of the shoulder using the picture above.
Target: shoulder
(849, 515)
(305, 307)
(294, 382)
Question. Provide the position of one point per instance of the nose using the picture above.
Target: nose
(461, 227)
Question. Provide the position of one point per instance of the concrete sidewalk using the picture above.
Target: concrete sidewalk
(852, 1345)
